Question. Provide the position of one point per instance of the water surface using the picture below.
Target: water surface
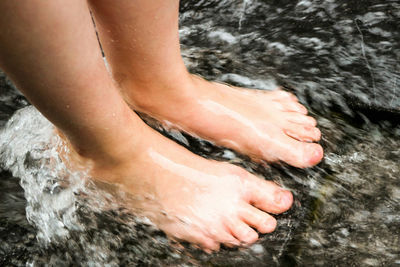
(341, 58)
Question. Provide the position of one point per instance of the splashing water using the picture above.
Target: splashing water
(243, 12)
(347, 208)
(64, 206)
(29, 150)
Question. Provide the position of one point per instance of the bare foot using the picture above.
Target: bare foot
(271, 126)
(190, 198)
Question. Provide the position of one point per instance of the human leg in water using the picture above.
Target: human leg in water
(49, 49)
(141, 42)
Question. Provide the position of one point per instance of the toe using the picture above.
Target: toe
(263, 222)
(291, 106)
(268, 196)
(215, 246)
(243, 232)
(209, 245)
(230, 241)
(300, 154)
(224, 237)
(232, 245)
(299, 118)
(279, 94)
(194, 236)
(303, 133)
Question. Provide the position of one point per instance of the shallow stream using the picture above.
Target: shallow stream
(340, 57)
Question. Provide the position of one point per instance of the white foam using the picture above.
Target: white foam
(28, 149)
(223, 36)
(247, 82)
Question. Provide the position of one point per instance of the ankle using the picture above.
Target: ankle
(145, 95)
(125, 144)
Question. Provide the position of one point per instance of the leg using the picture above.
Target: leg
(50, 51)
(141, 42)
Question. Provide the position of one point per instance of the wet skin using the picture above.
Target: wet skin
(146, 63)
(190, 198)
(266, 125)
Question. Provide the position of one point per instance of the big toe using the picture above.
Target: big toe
(309, 155)
(299, 154)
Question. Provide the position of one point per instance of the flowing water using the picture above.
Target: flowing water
(341, 58)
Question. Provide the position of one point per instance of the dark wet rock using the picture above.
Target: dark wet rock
(10, 99)
(336, 51)
(17, 236)
(341, 59)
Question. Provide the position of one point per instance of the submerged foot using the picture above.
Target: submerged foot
(190, 198)
(267, 125)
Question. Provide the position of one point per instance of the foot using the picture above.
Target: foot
(266, 125)
(190, 198)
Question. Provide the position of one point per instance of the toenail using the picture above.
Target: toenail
(279, 197)
(316, 156)
(283, 198)
(288, 199)
(234, 243)
(286, 94)
(251, 236)
(208, 251)
(303, 109)
(317, 132)
(270, 225)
